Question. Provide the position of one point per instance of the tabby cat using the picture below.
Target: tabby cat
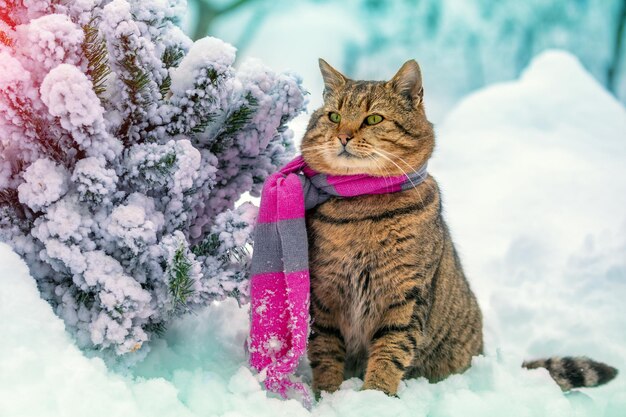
(389, 299)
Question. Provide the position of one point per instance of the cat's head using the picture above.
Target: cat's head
(369, 127)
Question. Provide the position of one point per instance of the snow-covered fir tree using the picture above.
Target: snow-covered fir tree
(123, 149)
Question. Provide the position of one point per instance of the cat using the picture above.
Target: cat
(389, 299)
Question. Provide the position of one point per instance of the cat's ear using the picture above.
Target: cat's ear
(408, 81)
(333, 79)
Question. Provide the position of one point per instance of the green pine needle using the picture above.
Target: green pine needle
(156, 328)
(165, 164)
(237, 120)
(242, 116)
(207, 247)
(95, 50)
(171, 58)
(136, 79)
(85, 298)
(181, 283)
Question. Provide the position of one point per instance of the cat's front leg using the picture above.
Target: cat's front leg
(393, 346)
(326, 350)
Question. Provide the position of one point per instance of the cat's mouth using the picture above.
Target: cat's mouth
(345, 153)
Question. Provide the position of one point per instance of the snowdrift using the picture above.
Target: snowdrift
(533, 176)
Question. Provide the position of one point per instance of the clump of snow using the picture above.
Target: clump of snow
(45, 182)
(534, 196)
(49, 41)
(206, 52)
(69, 96)
(95, 183)
(135, 224)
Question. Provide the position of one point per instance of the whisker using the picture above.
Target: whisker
(382, 168)
(431, 185)
(398, 166)
(407, 175)
(401, 160)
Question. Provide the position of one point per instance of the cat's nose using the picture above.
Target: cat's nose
(344, 138)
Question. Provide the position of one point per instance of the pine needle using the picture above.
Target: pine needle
(207, 247)
(136, 80)
(181, 282)
(95, 50)
(158, 329)
(171, 58)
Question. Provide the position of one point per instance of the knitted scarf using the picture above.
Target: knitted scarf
(279, 288)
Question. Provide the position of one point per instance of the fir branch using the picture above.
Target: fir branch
(207, 247)
(204, 119)
(165, 164)
(236, 121)
(240, 117)
(181, 283)
(171, 58)
(95, 50)
(156, 328)
(85, 298)
(17, 213)
(9, 198)
(136, 80)
(39, 129)
(191, 191)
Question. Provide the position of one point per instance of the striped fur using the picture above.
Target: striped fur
(279, 282)
(389, 299)
(575, 372)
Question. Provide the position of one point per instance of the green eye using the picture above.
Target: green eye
(334, 117)
(373, 119)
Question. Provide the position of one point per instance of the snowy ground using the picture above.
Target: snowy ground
(533, 174)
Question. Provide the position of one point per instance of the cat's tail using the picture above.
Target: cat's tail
(574, 372)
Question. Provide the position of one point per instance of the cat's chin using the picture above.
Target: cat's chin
(343, 163)
(347, 163)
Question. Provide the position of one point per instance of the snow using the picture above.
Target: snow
(46, 182)
(49, 41)
(534, 185)
(205, 52)
(69, 96)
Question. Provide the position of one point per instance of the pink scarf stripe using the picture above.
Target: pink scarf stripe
(279, 288)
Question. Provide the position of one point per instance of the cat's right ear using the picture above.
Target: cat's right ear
(408, 81)
(333, 79)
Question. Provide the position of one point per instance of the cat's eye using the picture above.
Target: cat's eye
(334, 117)
(373, 119)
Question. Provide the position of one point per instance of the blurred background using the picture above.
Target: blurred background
(461, 45)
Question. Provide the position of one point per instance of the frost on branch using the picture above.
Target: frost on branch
(123, 149)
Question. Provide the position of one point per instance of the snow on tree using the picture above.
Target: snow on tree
(123, 149)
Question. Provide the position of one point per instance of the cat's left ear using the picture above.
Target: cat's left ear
(408, 81)
(333, 79)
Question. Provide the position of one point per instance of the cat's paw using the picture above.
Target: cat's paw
(372, 385)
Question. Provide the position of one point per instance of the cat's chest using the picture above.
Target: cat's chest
(351, 248)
